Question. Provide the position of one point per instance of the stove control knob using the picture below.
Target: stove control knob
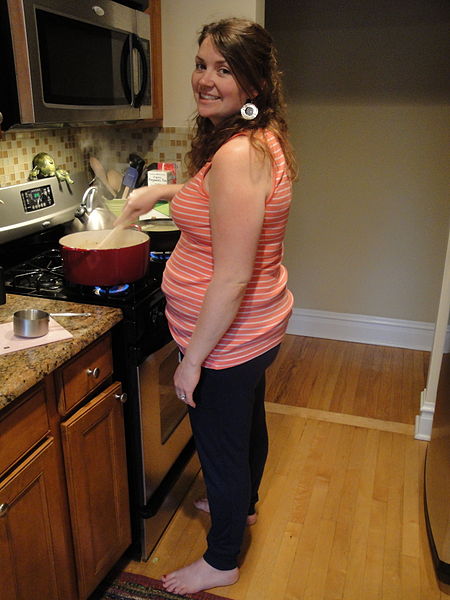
(122, 397)
(95, 373)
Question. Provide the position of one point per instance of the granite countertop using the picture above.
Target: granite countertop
(22, 369)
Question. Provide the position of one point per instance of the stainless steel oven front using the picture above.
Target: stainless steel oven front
(163, 461)
(169, 461)
(162, 414)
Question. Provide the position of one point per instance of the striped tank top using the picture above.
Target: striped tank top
(263, 315)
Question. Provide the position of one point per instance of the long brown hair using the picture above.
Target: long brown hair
(252, 57)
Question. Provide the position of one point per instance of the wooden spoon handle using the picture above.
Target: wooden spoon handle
(100, 172)
(113, 233)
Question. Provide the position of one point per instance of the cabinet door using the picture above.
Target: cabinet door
(35, 551)
(96, 472)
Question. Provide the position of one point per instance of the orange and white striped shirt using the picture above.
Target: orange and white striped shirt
(263, 315)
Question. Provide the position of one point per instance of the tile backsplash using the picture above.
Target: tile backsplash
(72, 147)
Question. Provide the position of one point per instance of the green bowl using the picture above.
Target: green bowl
(115, 205)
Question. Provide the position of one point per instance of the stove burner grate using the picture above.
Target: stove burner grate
(38, 280)
(41, 273)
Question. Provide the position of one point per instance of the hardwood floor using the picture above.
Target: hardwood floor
(378, 382)
(341, 510)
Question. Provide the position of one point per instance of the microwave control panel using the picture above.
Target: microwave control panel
(37, 198)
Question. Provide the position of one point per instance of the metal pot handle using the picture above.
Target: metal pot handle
(86, 204)
(88, 198)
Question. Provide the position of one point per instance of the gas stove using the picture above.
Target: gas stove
(42, 275)
(34, 216)
(33, 266)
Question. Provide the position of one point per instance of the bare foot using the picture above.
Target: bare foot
(197, 577)
(203, 504)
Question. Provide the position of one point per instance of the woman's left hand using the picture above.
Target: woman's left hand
(185, 379)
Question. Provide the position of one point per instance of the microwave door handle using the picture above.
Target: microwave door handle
(136, 44)
(126, 70)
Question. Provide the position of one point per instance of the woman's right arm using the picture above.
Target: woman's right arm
(143, 199)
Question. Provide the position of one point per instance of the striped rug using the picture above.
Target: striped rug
(128, 586)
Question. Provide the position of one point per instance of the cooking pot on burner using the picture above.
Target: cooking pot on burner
(164, 234)
(86, 264)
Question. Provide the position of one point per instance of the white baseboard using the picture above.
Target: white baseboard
(423, 427)
(424, 420)
(365, 329)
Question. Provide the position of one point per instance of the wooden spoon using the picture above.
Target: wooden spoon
(111, 238)
(114, 180)
(100, 172)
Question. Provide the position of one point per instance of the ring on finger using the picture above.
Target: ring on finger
(182, 396)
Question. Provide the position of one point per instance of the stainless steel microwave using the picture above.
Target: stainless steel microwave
(73, 62)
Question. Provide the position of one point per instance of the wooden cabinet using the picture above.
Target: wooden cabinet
(25, 426)
(94, 454)
(36, 555)
(64, 512)
(154, 12)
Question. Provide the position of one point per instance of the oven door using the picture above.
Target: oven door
(164, 418)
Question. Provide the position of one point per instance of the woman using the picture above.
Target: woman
(227, 301)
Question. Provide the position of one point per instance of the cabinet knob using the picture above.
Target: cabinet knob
(3, 509)
(122, 397)
(94, 372)
(98, 11)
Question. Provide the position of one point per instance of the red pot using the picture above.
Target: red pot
(85, 264)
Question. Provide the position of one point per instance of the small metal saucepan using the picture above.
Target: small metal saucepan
(33, 322)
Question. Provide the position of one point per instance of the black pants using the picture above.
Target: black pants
(230, 432)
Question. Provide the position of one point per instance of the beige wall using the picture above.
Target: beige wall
(369, 119)
(181, 22)
(369, 224)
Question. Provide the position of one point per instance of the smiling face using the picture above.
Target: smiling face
(216, 91)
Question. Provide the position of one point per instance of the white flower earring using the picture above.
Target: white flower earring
(249, 111)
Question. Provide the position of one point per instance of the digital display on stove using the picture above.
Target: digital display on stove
(37, 198)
